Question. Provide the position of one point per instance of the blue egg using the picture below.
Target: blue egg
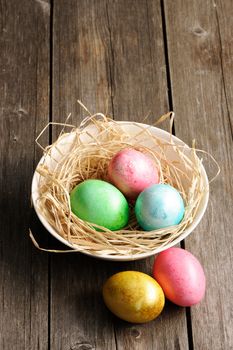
(159, 206)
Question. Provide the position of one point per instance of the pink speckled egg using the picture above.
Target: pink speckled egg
(131, 172)
(180, 275)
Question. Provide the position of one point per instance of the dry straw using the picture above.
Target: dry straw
(86, 154)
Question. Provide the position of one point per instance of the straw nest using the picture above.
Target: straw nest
(85, 153)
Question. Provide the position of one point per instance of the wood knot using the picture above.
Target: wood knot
(82, 346)
(21, 112)
(135, 333)
(199, 31)
(45, 6)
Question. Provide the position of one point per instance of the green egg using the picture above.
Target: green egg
(100, 203)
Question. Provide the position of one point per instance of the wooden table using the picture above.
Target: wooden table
(130, 57)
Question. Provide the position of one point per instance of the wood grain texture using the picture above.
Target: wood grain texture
(24, 78)
(139, 83)
(81, 70)
(224, 23)
(199, 45)
(110, 51)
(82, 59)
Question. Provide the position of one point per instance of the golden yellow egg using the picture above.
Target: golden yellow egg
(133, 296)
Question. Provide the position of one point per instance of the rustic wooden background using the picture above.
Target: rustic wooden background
(130, 57)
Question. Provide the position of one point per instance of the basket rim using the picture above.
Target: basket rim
(160, 133)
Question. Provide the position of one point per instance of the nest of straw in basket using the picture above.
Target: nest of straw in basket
(85, 153)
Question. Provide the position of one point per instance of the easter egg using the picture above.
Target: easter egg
(133, 296)
(180, 275)
(159, 206)
(101, 203)
(132, 171)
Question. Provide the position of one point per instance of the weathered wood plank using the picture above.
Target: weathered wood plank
(200, 46)
(82, 59)
(139, 83)
(24, 79)
(140, 86)
(81, 71)
(224, 22)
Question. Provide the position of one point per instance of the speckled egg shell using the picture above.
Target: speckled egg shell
(180, 275)
(101, 203)
(159, 206)
(133, 296)
(132, 171)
